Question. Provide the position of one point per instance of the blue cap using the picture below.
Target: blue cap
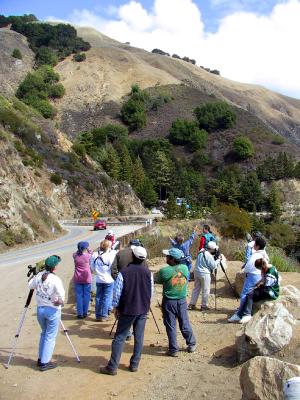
(82, 246)
(175, 253)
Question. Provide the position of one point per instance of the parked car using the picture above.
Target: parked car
(156, 211)
(99, 224)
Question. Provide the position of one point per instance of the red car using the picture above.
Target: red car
(99, 224)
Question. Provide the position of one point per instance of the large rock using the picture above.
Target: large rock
(239, 282)
(269, 331)
(262, 378)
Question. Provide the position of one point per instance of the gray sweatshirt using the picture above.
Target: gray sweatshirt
(205, 263)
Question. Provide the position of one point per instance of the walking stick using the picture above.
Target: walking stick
(68, 337)
(29, 297)
(154, 320)
(111, 331)
(215, 288)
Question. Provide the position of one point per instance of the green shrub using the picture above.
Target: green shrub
(276, 139)
(133, 113)
(184, 132)
(17, 54)
(243, 147)
(79, 57)
(283, 263)
(44, 55)
(281, 235)
(7, 237)
(44, 107)
(215, 115)
(79, 149)
(233, 221)
(56, 91)
(56, 178)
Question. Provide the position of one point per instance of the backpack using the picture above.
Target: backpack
(209, 237)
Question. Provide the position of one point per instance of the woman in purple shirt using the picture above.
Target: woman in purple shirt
(82, 278)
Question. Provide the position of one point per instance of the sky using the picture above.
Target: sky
(251, 41)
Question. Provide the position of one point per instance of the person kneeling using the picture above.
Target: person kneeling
(266, 289)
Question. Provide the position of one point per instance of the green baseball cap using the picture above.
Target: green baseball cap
(175, 253)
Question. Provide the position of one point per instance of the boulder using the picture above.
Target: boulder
(239, 281)
(269, 331)
(262, 378)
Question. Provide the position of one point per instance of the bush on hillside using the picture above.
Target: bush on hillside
(17, 54)
(79, 57)
(279, 140)
(215, 116)
(56, 178)
(281, 235)
(279, 259)
(133, 114)
(243, 147)
(184, 132)
(233, 221)
(12, 19)
(44, 55)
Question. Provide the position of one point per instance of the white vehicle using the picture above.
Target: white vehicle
(156, 211)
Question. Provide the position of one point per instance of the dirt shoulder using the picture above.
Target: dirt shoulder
(205, 374)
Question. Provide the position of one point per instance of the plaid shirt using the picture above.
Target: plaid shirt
(118, 288)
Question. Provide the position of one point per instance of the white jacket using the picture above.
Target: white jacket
(101, 262)
(49, 291)
(250, 265)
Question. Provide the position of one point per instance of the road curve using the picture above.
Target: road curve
(64, 244)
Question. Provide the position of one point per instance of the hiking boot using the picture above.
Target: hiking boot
(204, 308)
(234, 318)
(133, 369)
(191, 307)
(80, 316)
(107, 371)
(38, 363)
(245, 319)
(191, 348)
(172, 353)
(49, 365)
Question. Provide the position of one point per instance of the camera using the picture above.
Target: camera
(216, 254)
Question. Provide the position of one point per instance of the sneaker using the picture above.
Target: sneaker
(234, 318)
(172, 353)
(191, 348)
(132, 369)
(38, 363)
(49, 365)
(107, 371)
(80, 316)
(191, 307)
(245, 319)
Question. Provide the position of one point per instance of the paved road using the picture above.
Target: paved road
(65, 244)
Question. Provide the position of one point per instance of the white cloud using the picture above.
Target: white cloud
(246, 47)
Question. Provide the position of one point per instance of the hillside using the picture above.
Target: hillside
(112, 67)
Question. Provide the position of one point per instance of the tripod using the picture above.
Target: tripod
(22, 319)
(226, 276)
(114, 324)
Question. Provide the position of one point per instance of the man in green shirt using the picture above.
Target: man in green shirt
(174, 279)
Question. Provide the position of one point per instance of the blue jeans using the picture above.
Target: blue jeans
(172, 310)
(253, 296)
(103, 299)
(49, 318)
(249, 284)
(123, 330)
(83, 296)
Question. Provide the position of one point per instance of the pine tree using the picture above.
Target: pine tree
(171, 208)
(147, 193)
(251, 196)
(126, 164)
(274, 202)
(138, 176)
(112, 162)
(161, 171)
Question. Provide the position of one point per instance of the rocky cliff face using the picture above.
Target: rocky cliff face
(13, 70)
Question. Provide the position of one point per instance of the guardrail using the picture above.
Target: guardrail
(109, 221)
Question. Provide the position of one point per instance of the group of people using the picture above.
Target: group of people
(126, 285)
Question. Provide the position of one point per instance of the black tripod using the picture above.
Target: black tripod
(22, 319)
(232, 288)
(112, 328)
